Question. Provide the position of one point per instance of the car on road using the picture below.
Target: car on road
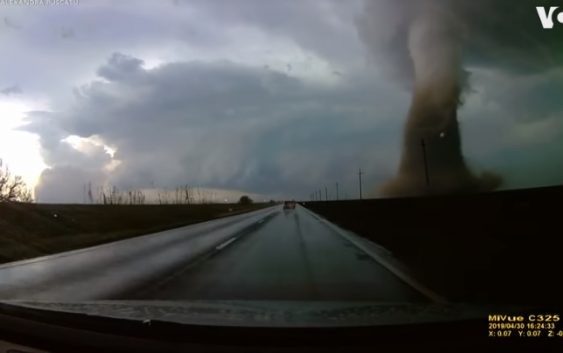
(289, 205)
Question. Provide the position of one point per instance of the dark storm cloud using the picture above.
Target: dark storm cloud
(216, 124)
(524, 97)
(314, 25)
(508, 36)
(120, 66)
(502, 34)
(11, 90)
(177, 95)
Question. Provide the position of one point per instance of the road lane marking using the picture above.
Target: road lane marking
(201, 259)
(394, 270)
(197, 229)
(227, 243)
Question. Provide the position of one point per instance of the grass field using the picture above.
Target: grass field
(500, 247)
(31, 230)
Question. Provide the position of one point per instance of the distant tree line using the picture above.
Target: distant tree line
(245, 200)
(12, 187)
(181, 195)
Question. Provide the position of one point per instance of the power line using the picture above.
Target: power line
(426, 174)
(337, 196)
(360, 181)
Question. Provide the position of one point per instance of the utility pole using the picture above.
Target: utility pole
(326, 193)
(360, 180)
(426, 174)
(337, 197)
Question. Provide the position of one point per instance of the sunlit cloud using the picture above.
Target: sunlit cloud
(20, 150)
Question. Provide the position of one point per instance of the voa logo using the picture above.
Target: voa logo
(548, 16)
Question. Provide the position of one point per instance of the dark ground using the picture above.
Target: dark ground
(31, 230)
(502, 247)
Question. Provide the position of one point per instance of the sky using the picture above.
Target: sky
(273, 98)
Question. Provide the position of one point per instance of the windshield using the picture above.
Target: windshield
(359, 162)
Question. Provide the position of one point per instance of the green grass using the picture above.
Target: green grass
(31, 230)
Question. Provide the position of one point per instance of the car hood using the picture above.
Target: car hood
(270, 313)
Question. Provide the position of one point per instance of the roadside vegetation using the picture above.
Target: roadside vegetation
(30, 230)
(245, 200)
(12, 187)
(180, 195)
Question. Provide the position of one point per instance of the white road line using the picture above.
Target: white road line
(225, 244)
(228, 242)
(397, 272)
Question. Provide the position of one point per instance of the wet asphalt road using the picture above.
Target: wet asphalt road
(290, 256)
